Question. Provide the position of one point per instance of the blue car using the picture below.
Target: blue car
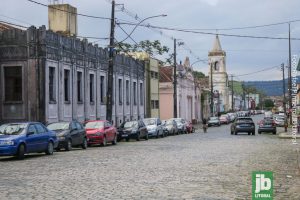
(17, 139)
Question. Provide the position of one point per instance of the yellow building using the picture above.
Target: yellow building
(152, 66)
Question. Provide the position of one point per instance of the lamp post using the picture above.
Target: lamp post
(111, 58)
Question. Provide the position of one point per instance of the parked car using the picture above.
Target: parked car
(18, 139)
(267, 125)
(232, 116)
(154, 127)
(100, 132)
(69, 134)
(214, 121)
(279, 120)
(190, 128)
(181, 125)
(171, 126)
(224, 119)
(243, 124)
(133, 130)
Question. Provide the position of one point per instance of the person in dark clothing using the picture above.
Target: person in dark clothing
(204, 125)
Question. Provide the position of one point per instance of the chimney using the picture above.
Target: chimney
(62, 18)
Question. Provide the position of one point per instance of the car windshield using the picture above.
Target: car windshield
(169, 122)
(58, 126)
(12, 129)
(94, 125)
(130, 124)
(148, 122)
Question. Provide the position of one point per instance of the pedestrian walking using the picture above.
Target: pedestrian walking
(204, 125)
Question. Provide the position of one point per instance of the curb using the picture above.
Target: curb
(284, 135)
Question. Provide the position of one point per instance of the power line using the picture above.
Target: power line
(245, 27)
(266, 69)
(83, 15)
(210, 33)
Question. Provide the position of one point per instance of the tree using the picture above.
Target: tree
(198, 75)
(150, 47)
(269, 103)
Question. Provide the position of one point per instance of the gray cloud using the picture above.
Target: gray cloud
(243, 55)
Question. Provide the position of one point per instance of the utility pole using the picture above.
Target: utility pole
(109, 92)
(284, 103)
(211, 92)
(232, 99)
(244, 96)
(290, 76)
(175, 82)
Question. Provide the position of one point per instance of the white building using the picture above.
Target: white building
(217, 62)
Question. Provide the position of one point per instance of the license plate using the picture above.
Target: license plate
(125, 135)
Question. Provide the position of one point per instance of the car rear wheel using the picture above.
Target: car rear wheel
(21, 152)
(84, 144)
(50, 148)
(68, 146)
(253, 133)
(114, 142)
(274, 133)
(259, 132)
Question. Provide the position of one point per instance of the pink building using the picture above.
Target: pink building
(188, 96)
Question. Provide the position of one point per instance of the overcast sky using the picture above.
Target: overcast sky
(244, 55)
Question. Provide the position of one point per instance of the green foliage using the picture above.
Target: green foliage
(198, 74)
(269, 103)
(152, 48)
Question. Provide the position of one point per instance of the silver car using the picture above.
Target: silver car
(171, 126)
(154, 127)
(181, 124)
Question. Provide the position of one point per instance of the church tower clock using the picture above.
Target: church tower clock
(217, 62)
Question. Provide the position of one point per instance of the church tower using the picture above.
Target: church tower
(217, 62)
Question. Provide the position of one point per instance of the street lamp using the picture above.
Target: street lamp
(162, 15)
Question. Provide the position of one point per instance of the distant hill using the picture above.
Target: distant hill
(270, 88)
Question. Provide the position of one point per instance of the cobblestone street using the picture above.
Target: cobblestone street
(215, 165)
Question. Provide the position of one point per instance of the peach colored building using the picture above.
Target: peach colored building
(188, 96)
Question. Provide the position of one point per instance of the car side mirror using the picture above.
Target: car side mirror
(30, 133)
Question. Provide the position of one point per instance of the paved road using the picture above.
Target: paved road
(215, 165)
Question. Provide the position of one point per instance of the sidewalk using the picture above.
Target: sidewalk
(288, 134)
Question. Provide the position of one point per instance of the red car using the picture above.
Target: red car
(100, 132)
(189, 127)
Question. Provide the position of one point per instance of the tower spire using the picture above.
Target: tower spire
(217, 44)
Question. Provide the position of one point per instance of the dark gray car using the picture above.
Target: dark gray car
(69, 134)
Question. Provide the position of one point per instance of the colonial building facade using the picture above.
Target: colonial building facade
(188, 96)
(49, 77)
(152, 67)
(217, 62)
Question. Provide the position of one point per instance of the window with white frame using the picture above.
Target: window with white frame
(79, 86)
(134, 93)
(52, 85)
(102, 88)
(67, 85)
(141, 94)
(127, 92)
(13, 87)
(120, 92)
(92, 85)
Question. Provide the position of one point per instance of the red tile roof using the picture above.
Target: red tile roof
(166, 74)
